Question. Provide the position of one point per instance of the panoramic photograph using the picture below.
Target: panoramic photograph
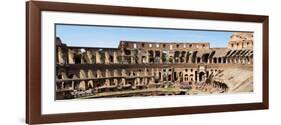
(113, 61)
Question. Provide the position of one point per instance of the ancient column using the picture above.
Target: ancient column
(147, 57)
(160, 60)
(107, 73)
(115, 82)
(72, 85)
(62, 85)
(157, 73)
(152, 72)
(98, 57)
(106, 57)
(115, 60)
(60, 54)
(82, 74)
(89, 56)
(161, 75)
(226, 60)
(70, 56)
(82, 85)
(107, 80)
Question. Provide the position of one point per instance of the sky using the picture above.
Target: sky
(106, 36)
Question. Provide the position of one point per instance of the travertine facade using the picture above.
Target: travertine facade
(148, 68)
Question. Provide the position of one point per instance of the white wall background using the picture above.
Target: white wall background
(12, 61)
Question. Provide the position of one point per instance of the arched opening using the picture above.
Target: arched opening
(176, 56)
(171, 59)
(205, 58)
(201, 76)
(157, 55)
(182, 57)
(180, 76)
(90, 84)
(195, 75)
(194, 57)
(111, 58)
(164, 77)
(130, 83)
(191, 77)
(177, 53)
(219, 60)
(164, 56)
(215, 60)
(127, 52)
(143, 59)
(187, 57)
(151, 56)
(93, 59)
(247, 59)
(175, 76)
(77, 59)
(169, 77)
(185, 77)
(198, 59)
(224, 60)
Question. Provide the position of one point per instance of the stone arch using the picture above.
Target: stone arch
(111, 59)
(219, 60)
(171, 59)
(60, 56)
(90, 84)
(186, 77)
(77, 59)
(198, 60)
(215, 59)
(224, 60)
(205, 58)
(201, 76)
(151, 56)
(182, 57)
(176, 56)
(90, 74)
(170, 77)
(187, 56)
(82, 85)
(82, 74)
(194, 57)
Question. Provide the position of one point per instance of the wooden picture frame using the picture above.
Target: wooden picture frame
(33, 61)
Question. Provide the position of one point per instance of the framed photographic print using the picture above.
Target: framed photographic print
(94, 62)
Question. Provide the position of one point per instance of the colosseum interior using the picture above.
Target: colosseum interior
(145, 68)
